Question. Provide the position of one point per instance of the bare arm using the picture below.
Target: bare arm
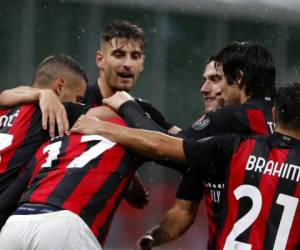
(53, 112)
(148, 143)
(19, 95)
(174, 224)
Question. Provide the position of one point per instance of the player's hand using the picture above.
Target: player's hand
(117, 100)
(136, 194)
(53, 113)
(174, 130)
(144, 243)
(87, 125)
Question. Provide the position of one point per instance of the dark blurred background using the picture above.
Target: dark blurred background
(181, 35)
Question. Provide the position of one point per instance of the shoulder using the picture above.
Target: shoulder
(93, 95)
(142, 102)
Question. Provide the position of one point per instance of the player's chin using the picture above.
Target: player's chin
(210, 106)
(125, 86)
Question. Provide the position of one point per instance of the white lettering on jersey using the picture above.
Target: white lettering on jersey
(273, 168)
(7, 121)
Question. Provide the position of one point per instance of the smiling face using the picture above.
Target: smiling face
(212, 78)
(120, 62)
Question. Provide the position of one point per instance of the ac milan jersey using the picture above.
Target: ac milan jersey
(94, 97)
(86, 174)
(262, 188)
(21, 134)
(252, 117)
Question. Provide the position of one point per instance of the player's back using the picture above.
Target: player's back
(86, 174)
(262, 196)
(21, 134)
(251, 118)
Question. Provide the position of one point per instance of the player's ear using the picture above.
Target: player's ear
(58, 86)
(143, 61)
(239, 79)
(99, 59)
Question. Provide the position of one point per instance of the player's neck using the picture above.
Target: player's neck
(105, 90)
(288, 132)
(244, 97)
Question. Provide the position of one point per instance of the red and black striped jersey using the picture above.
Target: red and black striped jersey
(21, 134)
(262, 190)
(252, 117)
(86, 174)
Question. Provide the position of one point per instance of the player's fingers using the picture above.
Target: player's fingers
(65, 120)
(78, 129)
(51, 124)
(60, 124)
(76, 125)
(45, 117)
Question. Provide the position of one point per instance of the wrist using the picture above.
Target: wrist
(39, 93)
(44, 92)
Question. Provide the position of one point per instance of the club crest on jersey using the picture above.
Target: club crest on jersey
(201, 123)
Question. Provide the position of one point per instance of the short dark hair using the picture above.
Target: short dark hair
(211, 58)
(287, 105)
(123, 29)
(254, 62)
(55, 66)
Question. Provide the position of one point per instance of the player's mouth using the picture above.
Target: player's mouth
(210, 99)
(125, 76)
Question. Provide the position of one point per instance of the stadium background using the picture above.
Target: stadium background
(181, 34)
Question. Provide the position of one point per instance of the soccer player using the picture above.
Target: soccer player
(249, 81)
(120, 61)
(21, 131)
(77, 184)
(262, 173)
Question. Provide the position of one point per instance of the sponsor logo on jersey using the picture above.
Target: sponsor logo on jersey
(7, 121)
(201, 123)
(215, 190)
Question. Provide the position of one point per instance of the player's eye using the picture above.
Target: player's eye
(136, 55)
(118, 53)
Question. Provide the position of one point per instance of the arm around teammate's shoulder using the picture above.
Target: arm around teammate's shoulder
(19, 95)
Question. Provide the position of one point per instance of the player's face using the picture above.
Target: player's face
(120, 61)
(73, 92)
(212, 78)
(231, 94)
